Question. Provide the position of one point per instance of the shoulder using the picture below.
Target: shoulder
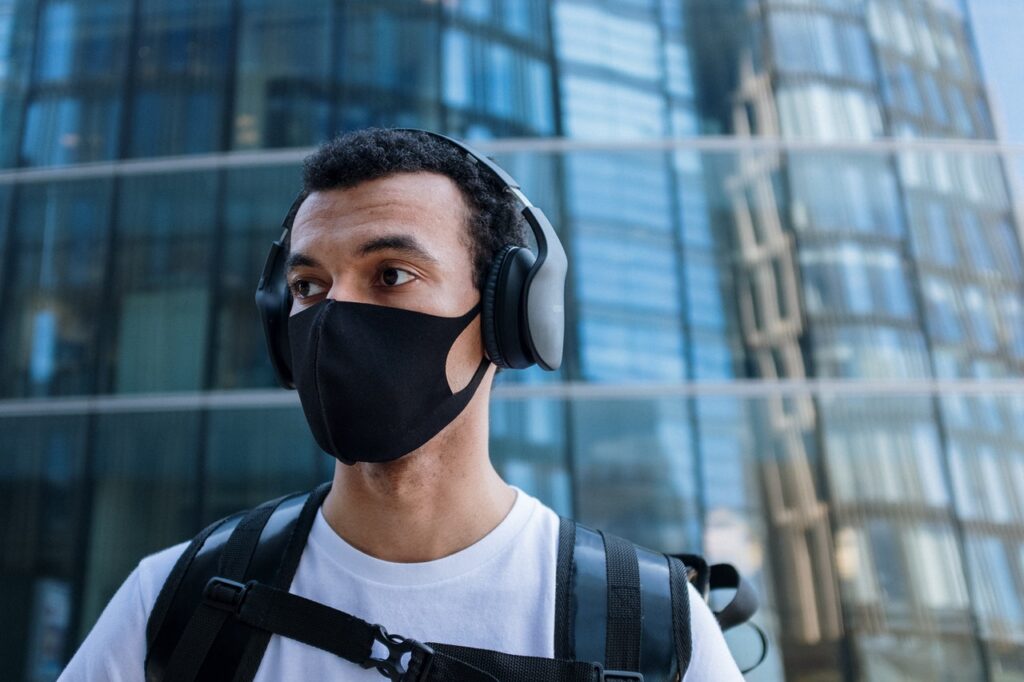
(115, 647)
(152, 573)
(711, 658)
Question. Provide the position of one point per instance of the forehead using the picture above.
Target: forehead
(429, 205)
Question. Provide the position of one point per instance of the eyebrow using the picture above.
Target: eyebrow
(404, 243)
(298, 260)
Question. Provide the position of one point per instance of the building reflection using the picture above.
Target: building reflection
(150, 147)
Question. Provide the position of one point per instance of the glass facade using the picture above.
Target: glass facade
(795, 298)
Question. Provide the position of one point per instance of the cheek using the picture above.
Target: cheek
(464, 357)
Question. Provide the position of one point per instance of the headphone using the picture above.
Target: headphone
(522, 304)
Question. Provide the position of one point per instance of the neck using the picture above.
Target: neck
(431, 503)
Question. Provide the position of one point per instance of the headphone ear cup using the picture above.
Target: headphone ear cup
(502, 318)
(274, 302)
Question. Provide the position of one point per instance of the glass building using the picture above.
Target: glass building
(795, 295)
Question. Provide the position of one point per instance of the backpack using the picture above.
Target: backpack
(621, 611)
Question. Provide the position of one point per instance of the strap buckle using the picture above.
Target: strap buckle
(224, 594)
(393, 667)
(617, 675)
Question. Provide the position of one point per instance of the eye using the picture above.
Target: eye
(393, 277)
(303, 288)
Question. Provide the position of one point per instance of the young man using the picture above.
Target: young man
(388, 256)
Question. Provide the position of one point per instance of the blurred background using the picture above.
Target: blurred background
(795, 324)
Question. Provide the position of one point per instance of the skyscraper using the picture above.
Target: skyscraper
(749, 191)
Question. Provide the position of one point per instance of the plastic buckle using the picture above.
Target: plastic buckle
(616, 675)
(392, 667)
(224, 594)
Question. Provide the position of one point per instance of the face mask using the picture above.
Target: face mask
(371, 378)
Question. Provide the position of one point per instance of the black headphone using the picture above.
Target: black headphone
(522, 304)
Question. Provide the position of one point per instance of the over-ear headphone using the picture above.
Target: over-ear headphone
(522, 304)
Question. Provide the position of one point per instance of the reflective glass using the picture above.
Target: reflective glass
(995, 577)
(143, 497)
(42, 483)
(17, 47)
(823, 44)
(74, 113)
(255, 205)
(908, 658)
(56, 289)
(884, 450)
(180, 78)
(844, 194)
(283, 81)
(387, 61)
(528, 448)
(634, 470)
(256, 455)
(161, 298)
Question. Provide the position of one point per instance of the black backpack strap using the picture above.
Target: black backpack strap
(706, 579)
(589, 595)
(169, 590)
(280, 612)
(679, 578)
(627, 590)
(743, 604)
(563, 589)
(263, 544)
(659, 625)
(205, 623)
(622, 638)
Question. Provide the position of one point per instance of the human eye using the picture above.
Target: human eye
(303, 288)
(392, 276)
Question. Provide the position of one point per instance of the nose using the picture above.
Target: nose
(344, 289)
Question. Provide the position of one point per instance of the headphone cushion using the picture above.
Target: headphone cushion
(504, 320)
(493, 296)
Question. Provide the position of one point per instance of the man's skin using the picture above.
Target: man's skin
(445, 495)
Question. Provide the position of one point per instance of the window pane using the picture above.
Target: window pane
(257, 201)
(165, 227)
(41, 484)
(181, 71)
(257, 455)
(144, 497)
(56, 289)
(282, 96)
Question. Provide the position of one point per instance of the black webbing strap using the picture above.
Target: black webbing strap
(743, 604)
(495, 666)
(287, 565)
(678, 580)
(622, 638)
(589, 604)
(697, 572)
(563, 589)
(206, 621)
(280, 612)
(166, 596)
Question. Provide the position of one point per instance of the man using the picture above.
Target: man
(388, 256)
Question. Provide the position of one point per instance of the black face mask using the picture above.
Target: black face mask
(372, 379)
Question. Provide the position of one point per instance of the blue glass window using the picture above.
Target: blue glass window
(162, 292)
(70, 129)
(282, 93)
(822, 44)
(180, 78)
(56, 294)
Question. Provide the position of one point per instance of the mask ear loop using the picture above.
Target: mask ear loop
(478, 374)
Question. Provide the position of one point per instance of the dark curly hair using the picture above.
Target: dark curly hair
(372, 153)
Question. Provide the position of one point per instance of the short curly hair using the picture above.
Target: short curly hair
(371, 153)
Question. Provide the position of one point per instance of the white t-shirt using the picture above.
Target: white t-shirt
(498, 593)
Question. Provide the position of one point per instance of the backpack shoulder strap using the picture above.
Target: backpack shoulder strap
(615, 604)
(263, 544)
